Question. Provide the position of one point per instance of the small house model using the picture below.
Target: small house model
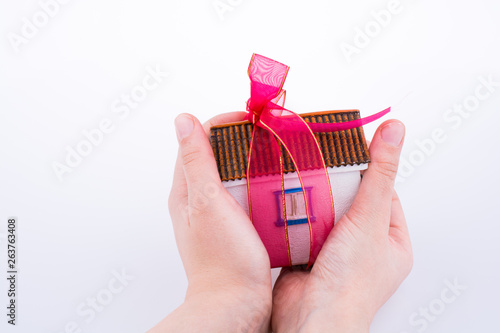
(345, 154)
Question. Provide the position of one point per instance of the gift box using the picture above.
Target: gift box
(345, 154)
(294, 175)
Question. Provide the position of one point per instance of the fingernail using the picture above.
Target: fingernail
(184, 126)
(393, 133)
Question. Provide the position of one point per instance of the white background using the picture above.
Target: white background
(110, 213)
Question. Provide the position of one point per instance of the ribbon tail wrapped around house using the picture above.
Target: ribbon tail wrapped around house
(294, 174)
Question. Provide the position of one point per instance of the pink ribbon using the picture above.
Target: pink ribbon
(275, 127)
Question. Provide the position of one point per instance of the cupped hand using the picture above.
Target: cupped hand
(227, 266)
(363, 261)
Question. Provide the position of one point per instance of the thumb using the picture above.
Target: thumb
(372, 205)
(198, 163)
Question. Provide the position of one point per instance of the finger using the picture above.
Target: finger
(179, 194)
(179, 183)
(223, 118)
(373, 201)
(198, 163)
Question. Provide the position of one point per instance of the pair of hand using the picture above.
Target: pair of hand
(363, 261)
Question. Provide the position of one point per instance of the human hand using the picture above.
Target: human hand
(363, 261)
(227, 266)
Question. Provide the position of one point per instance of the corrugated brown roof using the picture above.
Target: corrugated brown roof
(230, 143)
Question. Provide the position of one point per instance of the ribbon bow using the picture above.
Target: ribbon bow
(276, 128)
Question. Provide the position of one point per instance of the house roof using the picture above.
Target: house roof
(230, 143)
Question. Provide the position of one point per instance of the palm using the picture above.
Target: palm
(296, 285)
(347, 263)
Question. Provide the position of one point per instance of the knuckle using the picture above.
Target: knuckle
(201, 204)
(388, 168)
(190, 156)
(361, 218)
(175, 202)
(355, 214)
